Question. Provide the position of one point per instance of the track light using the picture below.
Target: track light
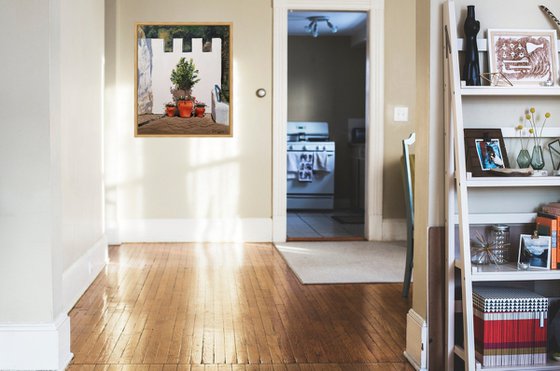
(313, 26)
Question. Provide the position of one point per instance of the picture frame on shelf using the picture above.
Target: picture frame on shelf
(524, 57)
(534, 251)
(485, 151)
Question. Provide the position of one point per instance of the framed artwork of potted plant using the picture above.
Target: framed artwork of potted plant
(178, 66)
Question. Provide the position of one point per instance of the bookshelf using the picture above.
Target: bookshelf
(462, 189)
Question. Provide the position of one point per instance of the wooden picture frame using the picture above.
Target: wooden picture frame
(524, 57)
(534, 252)
(485, 149)
(183, 80)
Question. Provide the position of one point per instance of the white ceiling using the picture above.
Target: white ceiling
(348, 23)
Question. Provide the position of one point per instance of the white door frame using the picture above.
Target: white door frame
(374, 109)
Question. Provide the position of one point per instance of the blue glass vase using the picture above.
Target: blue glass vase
(524, 159)
(537, 158)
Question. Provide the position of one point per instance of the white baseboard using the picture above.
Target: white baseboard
(394, 229)
(79, 276)
(416, 341)
(195, 230)
(44, 346)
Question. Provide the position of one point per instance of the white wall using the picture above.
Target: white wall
(26, 216)
(51, 227)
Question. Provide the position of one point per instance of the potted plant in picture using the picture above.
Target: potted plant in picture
(199, 109)
(170, 109)
(184, 77)
(185, 106)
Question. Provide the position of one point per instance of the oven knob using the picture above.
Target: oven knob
(290, 147)
(304, 148)
(317, 148)
(324, 148)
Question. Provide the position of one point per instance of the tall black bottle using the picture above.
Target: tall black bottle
(471, 69)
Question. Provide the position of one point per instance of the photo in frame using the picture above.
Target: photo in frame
(534, 251)
(485, 151)
(524, 57)
(183, 79)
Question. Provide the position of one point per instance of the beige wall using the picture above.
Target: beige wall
(400, 90)
(326, 82)
(226, 178)
(199, 178)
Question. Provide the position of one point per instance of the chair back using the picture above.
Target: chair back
(408, 177)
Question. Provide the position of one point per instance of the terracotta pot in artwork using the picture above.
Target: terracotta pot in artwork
(185, 108)
(199, 111)
(170, 111)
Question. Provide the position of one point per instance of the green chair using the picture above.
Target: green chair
(408, 180)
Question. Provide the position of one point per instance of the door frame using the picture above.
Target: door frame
(374, 116)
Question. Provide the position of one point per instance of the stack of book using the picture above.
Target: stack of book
(509, 326)
(548, 223)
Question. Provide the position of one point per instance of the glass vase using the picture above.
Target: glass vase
(524, 159)
(537, 158)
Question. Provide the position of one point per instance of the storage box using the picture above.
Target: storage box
(510, 326)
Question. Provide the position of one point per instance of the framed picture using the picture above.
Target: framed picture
(524, 57)
(183, 79)
(485, 150)
(534, 251)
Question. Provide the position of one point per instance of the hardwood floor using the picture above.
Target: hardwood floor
(211, 306)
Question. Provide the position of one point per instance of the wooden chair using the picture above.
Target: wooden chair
(408, 180)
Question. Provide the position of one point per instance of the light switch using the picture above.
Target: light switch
(401, 114)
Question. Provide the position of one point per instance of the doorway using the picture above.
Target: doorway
(374, 109)
(326, 125)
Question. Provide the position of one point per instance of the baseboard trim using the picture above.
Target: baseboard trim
(80, 275)
(394, 229)
(195, 230)
(44, 346)
(416, 340)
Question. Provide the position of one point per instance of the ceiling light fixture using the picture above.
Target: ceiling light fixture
(313, 26)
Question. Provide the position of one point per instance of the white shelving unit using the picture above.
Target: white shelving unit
(458, 188)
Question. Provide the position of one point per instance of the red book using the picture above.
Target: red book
(548, 226)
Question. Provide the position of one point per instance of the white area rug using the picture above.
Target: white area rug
(345, 262)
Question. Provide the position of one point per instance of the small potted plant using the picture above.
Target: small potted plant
(170, 109)
(199, 109)
(185, 106)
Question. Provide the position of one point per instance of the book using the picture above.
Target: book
(552, 216)
(548, 226)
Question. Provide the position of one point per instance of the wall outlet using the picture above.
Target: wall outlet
(401, 114)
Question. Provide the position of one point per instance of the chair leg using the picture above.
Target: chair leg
(408, 265)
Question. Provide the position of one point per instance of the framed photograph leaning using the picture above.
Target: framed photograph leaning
(485, 150)
(534, 250)
(183, 79)
(524, 57)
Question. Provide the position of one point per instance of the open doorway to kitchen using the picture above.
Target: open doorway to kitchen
(326, 134)
(374, 108)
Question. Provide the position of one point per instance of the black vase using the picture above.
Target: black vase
(471, 69)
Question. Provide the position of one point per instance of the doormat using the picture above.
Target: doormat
(349, 219)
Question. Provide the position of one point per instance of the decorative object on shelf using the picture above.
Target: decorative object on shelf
(554, 150)
(513, 172)
(483, 250)
(495, 79)
(499, 233)
(534, 250)
(525, 57)
(550, 15)
(537, 157)
(471, 69)
(524, 157)
(174, 60)
(485, 150)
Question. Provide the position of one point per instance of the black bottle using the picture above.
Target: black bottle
(471, 69)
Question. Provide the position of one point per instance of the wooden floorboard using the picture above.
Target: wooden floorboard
(235, 307)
